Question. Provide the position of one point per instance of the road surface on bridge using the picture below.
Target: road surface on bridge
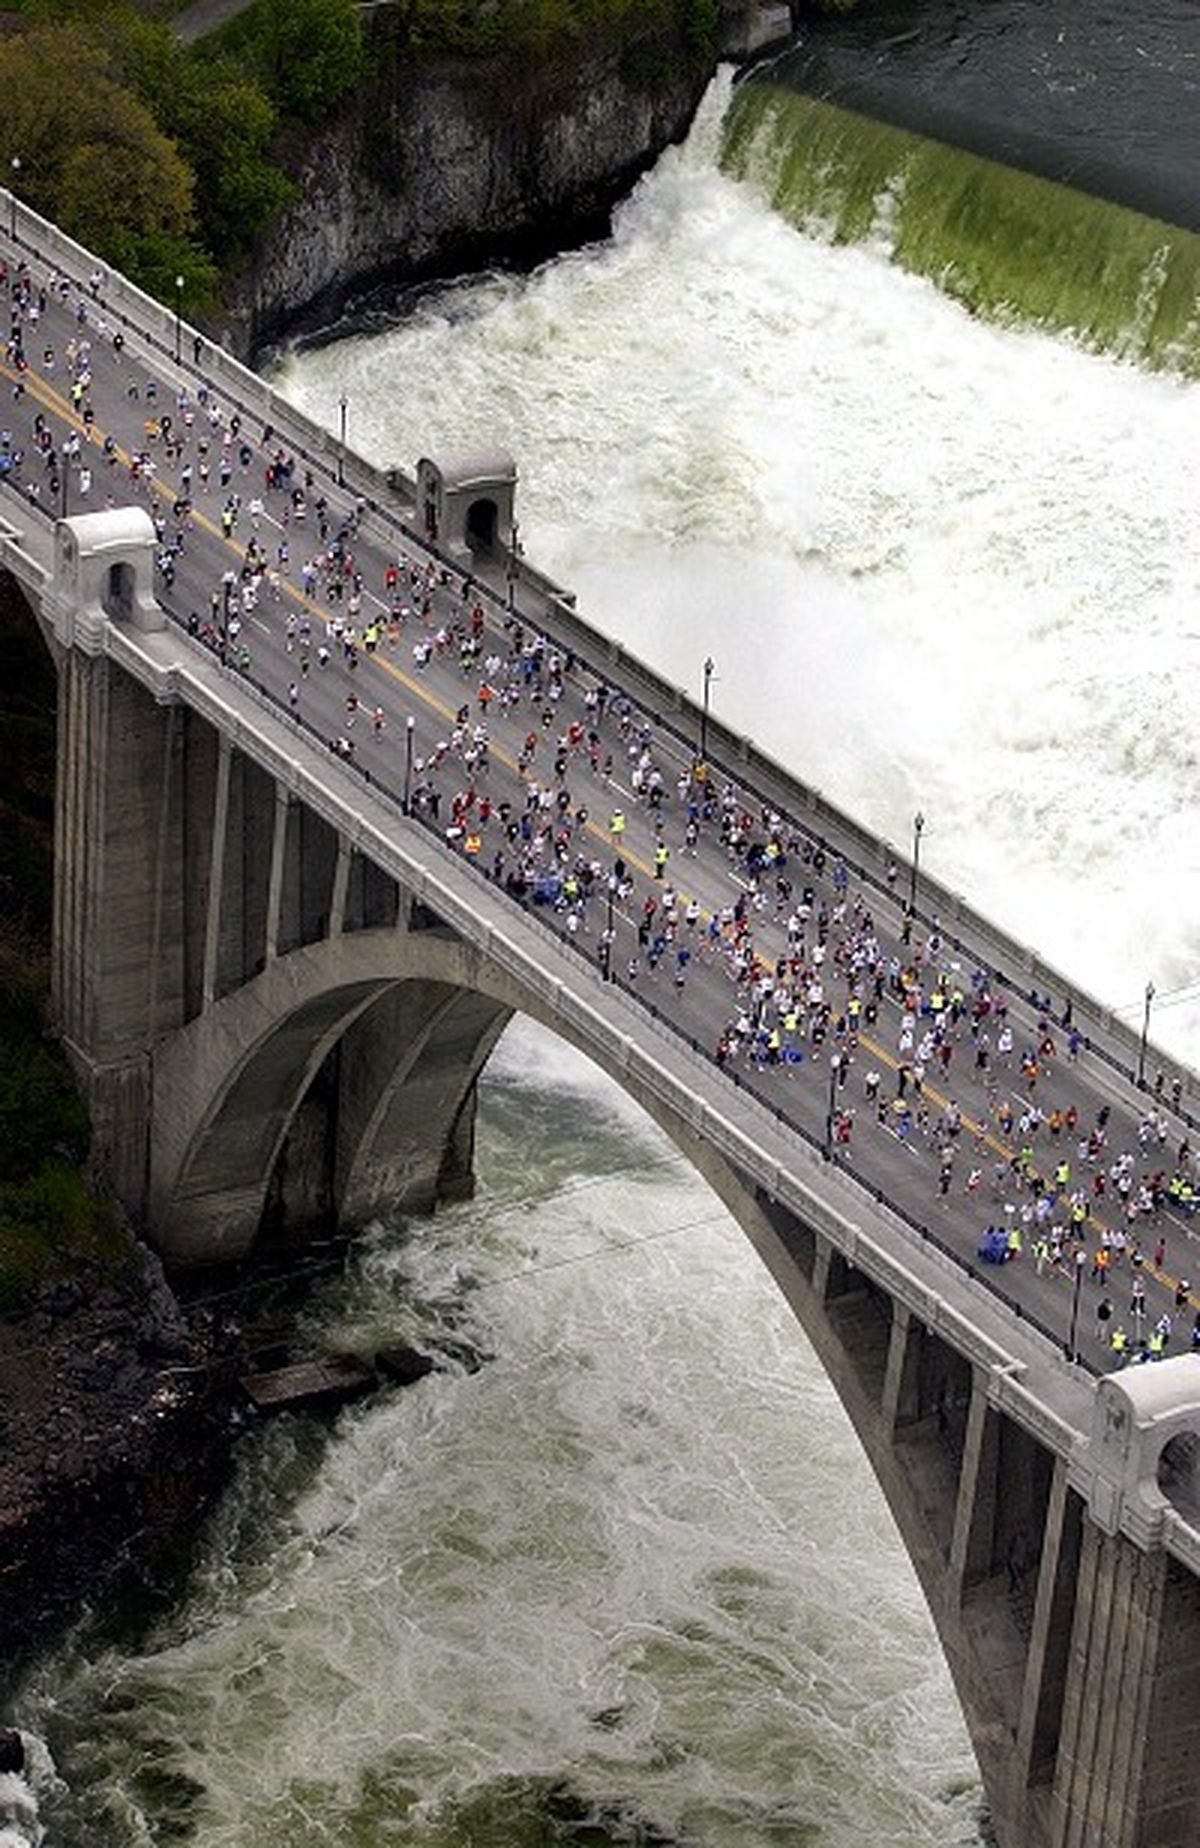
(416, 718)
(205, 16)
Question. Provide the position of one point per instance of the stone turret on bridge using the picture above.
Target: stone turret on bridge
(465, 501)
(104, 572)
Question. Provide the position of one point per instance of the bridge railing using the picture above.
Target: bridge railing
(1017, 966)
(16, 557)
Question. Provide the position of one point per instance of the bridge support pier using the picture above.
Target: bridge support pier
(978, 1489)
(1131, 1726)
(1049, 1641)
(118, 943)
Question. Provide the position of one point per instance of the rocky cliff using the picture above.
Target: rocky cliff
(440, 165)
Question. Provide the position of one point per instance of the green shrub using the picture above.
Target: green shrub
(40, 1109)
(51, 1226)
(305, 53)
(702, 19)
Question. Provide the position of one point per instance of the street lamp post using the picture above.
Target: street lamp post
(179, 281)
(835, 1067)
(343, 407)
(15, 164)
(1080, 1261)
(918, 831)
(1141, 1070)
(609, 929)
(514, 553)
(709, 667)
(410, 725)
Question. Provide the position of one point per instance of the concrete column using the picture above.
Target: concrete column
(1117, 1638)
(275, 886)
(63, 971)
(1169, 1800)
(166, 945)
(116, 955)
(309, 866)
(975, 1511)
(821, 1268)
(894, 1380)
(1041, 1697)
(216, 872)
(79, 828)
(341, 879)
(198, 782)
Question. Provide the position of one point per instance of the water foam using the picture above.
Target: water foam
(964, 552)
(573, 1566)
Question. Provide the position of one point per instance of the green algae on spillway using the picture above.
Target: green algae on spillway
(1005, 243)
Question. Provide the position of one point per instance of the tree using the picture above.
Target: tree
(225, 125)
(91, 154)
(221, 118)
(308, 53)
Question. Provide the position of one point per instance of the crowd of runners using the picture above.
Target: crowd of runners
(564, 792)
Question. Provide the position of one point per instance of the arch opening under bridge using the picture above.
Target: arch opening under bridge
(346, 1072)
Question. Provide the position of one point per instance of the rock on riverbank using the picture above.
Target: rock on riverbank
(114, 1418)
(440, 165)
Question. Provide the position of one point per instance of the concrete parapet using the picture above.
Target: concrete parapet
(754, 26)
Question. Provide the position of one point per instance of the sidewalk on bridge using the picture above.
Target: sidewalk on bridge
(205, 16)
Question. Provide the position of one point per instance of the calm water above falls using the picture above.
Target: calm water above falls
(636, 1562)
(1099, 94)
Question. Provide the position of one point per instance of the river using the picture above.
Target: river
(630, 1582)
(1099, 94)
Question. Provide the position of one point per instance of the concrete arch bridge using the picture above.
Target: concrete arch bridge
(280, 995)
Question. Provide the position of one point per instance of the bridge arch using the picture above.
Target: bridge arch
(416, 1015)
(1178, 1472)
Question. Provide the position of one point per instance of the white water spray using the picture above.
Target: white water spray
(939, 564)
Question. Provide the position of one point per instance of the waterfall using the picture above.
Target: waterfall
(1007, 244)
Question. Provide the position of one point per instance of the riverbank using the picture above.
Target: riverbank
(448, 162)
(114, 1406)
(116, 1418)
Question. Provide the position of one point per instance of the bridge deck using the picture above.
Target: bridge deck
(897, 1156)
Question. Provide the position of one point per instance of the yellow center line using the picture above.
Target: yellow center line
(53, 401)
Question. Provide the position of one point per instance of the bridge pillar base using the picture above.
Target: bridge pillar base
(118, 1101)
(1126, 1774)
(456, 1177)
